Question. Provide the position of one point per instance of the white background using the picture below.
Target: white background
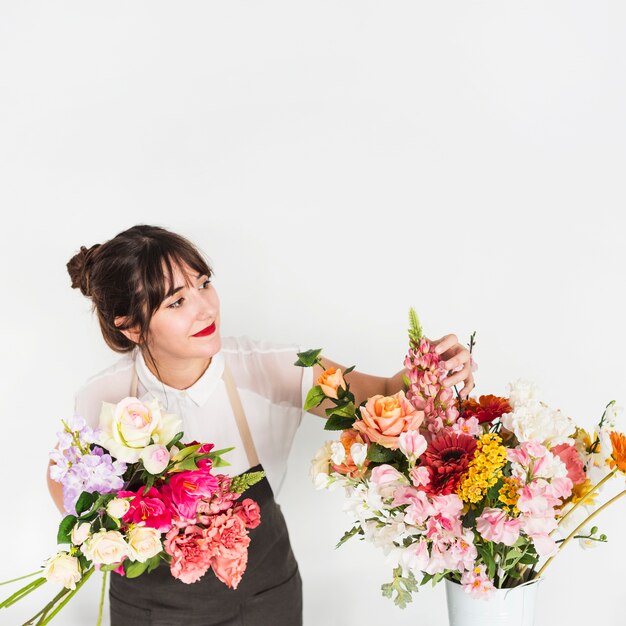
(338, 162)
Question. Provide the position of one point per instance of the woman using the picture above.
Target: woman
(152, 292)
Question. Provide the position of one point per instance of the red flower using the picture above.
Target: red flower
(447, 458)
(487, 409)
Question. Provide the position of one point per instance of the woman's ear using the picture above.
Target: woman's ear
(132, 333)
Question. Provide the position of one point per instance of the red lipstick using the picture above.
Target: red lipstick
(209, 330)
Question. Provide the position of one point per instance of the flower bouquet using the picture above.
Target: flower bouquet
(136, 497)
(480, 492)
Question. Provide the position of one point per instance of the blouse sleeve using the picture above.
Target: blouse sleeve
(268, 369)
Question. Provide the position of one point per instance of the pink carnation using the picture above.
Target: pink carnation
(570, 457)
(190, 551)
(249, 512)
(228, 543)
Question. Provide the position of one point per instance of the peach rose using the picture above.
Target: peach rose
(349, 466)
(330, 380)
(384, 418)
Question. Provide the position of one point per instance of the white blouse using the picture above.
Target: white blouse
(272, 391)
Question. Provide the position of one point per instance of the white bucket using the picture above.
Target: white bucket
(506, 607)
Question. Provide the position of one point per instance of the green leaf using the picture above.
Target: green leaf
(343, 410)
(109, 523)
(85, 501)
(338, 423)
(185, 452)
(109, 568)
(348, 369)
(134, 568)
(65, 529)
(357, 530)
(315, 397)
(220, 462)
(175, 440)
(406, 381)
(308, 358)
(402, 586)
(379, 454)
(153, 563)
(186, 464)
(149, 484)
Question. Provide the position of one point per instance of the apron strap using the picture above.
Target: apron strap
(240, 418)
(134, 383)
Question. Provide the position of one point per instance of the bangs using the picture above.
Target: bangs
(159, 266)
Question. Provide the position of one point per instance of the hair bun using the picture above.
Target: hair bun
(78, 268)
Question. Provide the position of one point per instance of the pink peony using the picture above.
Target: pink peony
(190, 551)
(151, 509)
(185, 489)
(570, 457)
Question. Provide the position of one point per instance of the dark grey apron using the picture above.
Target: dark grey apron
(269, 594)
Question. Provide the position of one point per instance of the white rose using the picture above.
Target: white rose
(105, 547)
(63, 569)
(127, 427)
(155, 458)
(80, 532)
(118, 507)
(143, 543)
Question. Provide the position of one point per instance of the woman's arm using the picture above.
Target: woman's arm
(364, 386)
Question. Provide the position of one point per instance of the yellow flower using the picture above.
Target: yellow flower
(580, 491)
(509, 494)
(484, 470)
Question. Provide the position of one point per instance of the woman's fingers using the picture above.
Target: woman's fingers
(445, 343)
(459, 376)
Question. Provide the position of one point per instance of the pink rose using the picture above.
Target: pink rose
(384, 418)
(570, 457)
(185, 489)
(191, 556)
(151, 510)
(249, 512)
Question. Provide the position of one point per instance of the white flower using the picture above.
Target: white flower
(63, 569)
(127, 427)
(118, 507)
(338, 455)
(80, 532)
(358, 452)
(155, 458)
(522, 392)
(539, 423)
(320, 463)
(143, 543)
(105, 547)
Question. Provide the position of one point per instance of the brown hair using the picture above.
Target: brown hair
(130, 275)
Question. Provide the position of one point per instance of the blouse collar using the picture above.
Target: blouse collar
(198, 393)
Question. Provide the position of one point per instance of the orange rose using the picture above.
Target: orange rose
(349, 468)
(330, 380)
(384, 418)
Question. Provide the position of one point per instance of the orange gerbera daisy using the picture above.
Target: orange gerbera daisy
(619, 451)
(487, 409)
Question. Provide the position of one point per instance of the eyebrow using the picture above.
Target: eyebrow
(175, 290)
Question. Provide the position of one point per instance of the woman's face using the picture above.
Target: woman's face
(187, 323)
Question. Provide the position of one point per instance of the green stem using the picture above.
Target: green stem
(577, 529)
(45, 619)
(6, 582)
(585, 498)
(104, 584)
(46, 608)
(24, 591)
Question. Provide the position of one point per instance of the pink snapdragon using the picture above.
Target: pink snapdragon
(495, 525)
(476, 582)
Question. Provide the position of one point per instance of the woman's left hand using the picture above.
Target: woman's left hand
(455, 356)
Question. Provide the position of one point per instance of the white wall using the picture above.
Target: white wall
(339, 162)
